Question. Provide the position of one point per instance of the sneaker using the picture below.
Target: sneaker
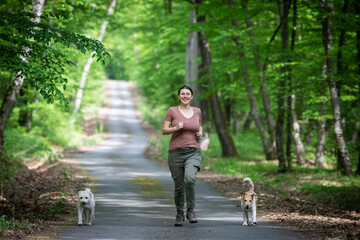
(190, 214)
(179, 219)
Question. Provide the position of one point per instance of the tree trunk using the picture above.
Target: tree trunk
(247, 121)
(192, 65)
(298, 145)
(263, 89)
(25, 112)
(90, 60)
(339, 63)
(204, 105)
(227, 143)
(335, 100)
(284, 6)
(249, 89)
(357, 10)
(192, 75)
(168, 6)
(289, 133)
(320, 157)
(12, 92)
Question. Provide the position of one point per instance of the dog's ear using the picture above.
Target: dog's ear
(242, 194)
(253, 196)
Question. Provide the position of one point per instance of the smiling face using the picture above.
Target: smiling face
(185, 96)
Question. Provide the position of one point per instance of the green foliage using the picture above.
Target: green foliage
(33, 50)
(52, 210)
(12, 224)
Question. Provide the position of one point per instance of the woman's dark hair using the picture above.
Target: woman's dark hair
(186, 87)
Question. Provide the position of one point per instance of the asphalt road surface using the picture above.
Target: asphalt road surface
(134, 198)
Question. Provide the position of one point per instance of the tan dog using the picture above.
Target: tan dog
(248, 203)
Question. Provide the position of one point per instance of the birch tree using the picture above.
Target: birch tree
(319, 155)
(90, 60)
(295, 131)
(327, 6)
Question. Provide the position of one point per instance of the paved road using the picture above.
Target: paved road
(134, 195)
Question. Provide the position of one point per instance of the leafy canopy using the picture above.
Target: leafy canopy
(33, 50)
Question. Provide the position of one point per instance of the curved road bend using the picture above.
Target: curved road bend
(134, 195)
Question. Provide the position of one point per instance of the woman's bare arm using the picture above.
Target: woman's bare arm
(169, 130)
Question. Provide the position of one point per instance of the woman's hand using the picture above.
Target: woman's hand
(169, 130)
(199, 135)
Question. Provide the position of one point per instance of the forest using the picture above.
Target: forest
(277, 81)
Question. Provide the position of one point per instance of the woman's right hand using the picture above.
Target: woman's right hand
(170, 130)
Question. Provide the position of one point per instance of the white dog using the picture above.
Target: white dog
(86, 204)
(248, 203)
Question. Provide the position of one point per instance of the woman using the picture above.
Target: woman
(184, 123)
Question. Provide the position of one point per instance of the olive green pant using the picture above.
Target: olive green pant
(184, 163)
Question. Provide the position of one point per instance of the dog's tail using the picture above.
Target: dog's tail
(250, 182)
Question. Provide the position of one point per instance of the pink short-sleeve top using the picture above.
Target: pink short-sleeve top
(185, 137)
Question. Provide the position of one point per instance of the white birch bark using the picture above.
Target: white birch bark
(298, 145)
(320, 156)
(335, 99)
(87, 66)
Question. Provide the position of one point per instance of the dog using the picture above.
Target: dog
(248, 203)
(86, 205)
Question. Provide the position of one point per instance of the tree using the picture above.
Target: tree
(262, 79)
(357, 11)
(10, 97)
(227, 143)
(327, 6)
(30, 52)
(249, 89)
(192, 77)
(294, 131)
(90, 60)
(284, 7)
